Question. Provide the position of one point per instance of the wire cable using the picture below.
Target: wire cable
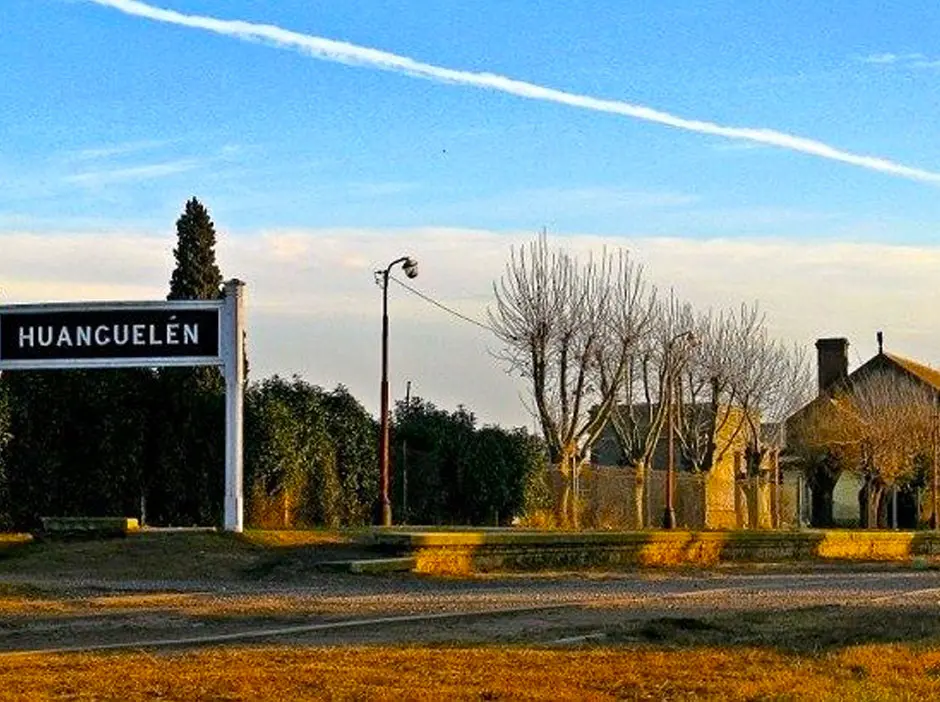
(441, 305)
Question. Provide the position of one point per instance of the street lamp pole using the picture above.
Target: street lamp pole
(410, 266)
(669, 514)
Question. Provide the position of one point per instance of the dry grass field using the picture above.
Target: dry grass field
(877, 672)
(816, 653)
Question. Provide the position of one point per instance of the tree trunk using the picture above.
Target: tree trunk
(569, 508)
(563, 511)
(639, 495)
(822, 486)
(872, 504)
(884, 508)
(575, 473)
(862, 506)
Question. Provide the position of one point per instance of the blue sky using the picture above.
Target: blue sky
(120, 117)
(111, 121)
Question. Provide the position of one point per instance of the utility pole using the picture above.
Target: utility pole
(404, 461)
(672, 368)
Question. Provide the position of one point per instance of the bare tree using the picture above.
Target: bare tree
(878, 427)
(891, 418)
(772, 380)
(728, 377)
(709, 418)
(639, 413)
(571, 328)
(737, 379)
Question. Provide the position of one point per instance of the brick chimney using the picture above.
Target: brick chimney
(832, 361)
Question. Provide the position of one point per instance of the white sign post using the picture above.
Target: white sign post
(142, 335)
(233, 356)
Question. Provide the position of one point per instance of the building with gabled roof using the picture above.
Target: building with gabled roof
(833, 373)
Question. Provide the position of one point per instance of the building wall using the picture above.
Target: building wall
(845, 499)
(721, 506)
(702, 501)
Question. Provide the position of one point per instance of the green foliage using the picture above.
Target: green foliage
(186, 440)
(456, 473)
(311, 452)
(537, 496)
(6, 520)
(75, 445)
(430, 444)
(196, 276)
(354, 435)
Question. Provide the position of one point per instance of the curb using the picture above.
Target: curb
(404, 564)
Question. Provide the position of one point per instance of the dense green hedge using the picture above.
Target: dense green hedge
(150, 444)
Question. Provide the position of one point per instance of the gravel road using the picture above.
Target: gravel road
(336, 609)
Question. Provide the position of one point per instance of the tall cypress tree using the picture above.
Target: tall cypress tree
(197, 275)
(187, 479)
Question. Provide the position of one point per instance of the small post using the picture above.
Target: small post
(935, 473)
(778, 490)
(799, 501)
(233, 356)
(894, 506)
(576, 490)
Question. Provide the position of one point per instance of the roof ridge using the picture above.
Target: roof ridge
(904, 359)
(928, 374)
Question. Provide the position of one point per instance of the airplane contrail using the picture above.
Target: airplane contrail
(354, 55)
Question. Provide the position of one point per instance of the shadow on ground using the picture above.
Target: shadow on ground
(806, 630)
(184, 555)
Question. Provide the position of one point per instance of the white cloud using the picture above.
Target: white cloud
(314, 308)
(914, 60)
(109, 151)
(131, 174)
(350, 54)
(886, 58)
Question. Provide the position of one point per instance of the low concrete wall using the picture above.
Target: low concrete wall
(460, 552)
(87, 526)
(11, 541)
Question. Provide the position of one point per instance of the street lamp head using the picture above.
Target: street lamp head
(410, 266)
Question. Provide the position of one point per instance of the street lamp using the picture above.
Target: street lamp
(410, 266)
(669, 514)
